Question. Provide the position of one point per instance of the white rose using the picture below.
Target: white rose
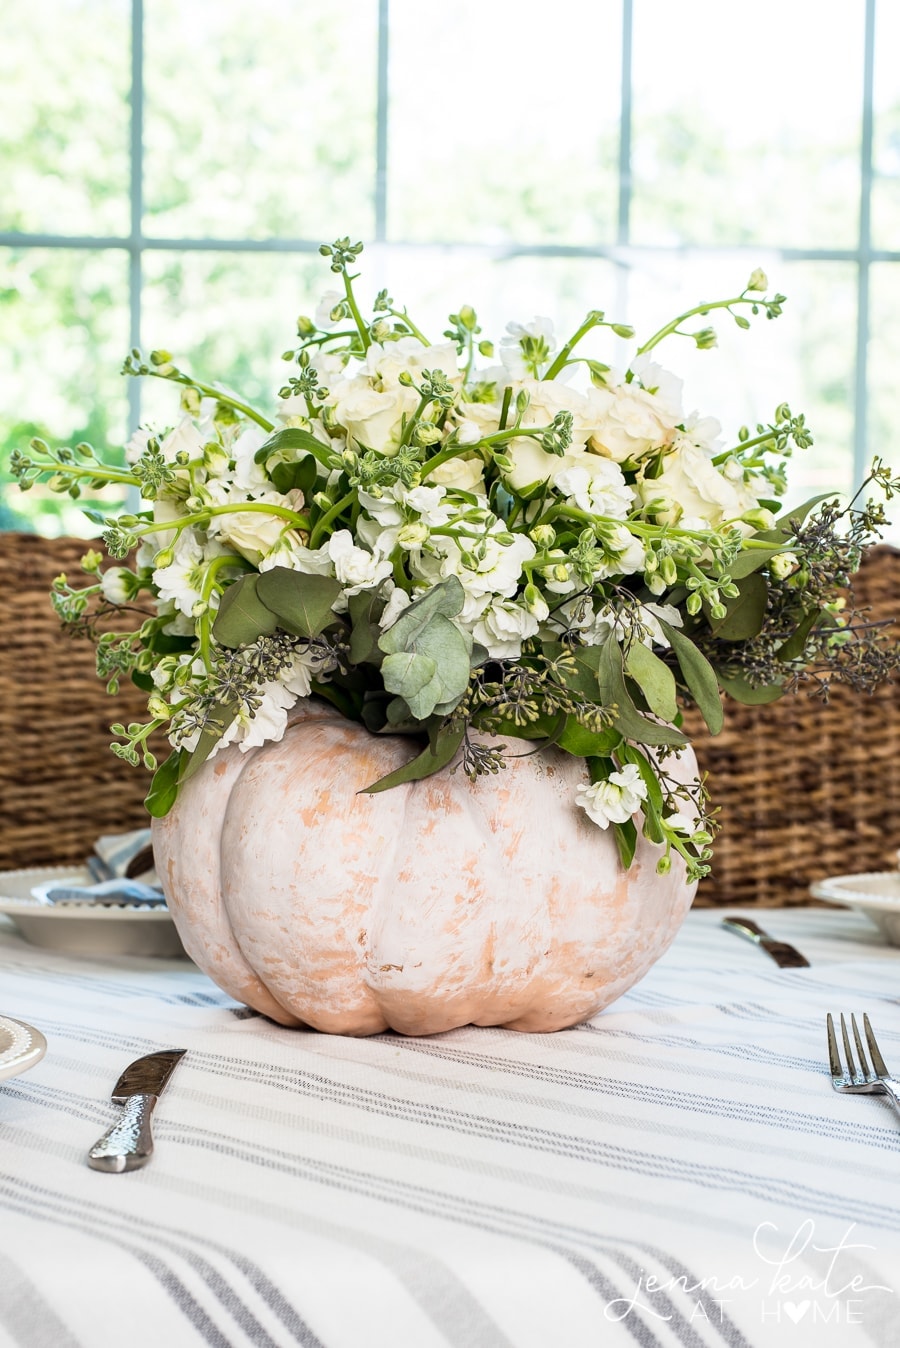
(666, 387)
(615, 800)
(695, 487)
(629, 423)
(355, 568)
(374, 419)
(464, 473)
(502, 628)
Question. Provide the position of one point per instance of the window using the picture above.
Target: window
(170, 171)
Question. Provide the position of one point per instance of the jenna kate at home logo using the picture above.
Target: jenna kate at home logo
(794, 1279)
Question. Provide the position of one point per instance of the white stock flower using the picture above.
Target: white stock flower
(427, 502)
(137, 444)
(185, 438)
(355, 568)
(503, 627)
(386, 363)
(497, 568)
(398, 600)
(666, 387)
(181, 581)
(596, 485)
(511, 351)
(249, 475)
(323, 315)
(291, 553)
(615, 800)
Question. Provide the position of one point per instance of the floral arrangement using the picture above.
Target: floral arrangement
(449, 547)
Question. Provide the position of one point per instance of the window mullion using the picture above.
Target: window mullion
(860, 427)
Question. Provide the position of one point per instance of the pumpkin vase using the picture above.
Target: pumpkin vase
(436, 904)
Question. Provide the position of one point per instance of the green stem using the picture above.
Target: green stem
(592, 321)
(364, 335)
(209, 584)
(411, 424)
(77, 470)
(746, 444)
(454, 452)
(416, 332)
(260, 507)
(329, 516)
(220, 396)
(699, 310)
(504, 410)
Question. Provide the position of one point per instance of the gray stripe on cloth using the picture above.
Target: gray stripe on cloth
(433, 1287)
(25, 1314)
(106, 1225)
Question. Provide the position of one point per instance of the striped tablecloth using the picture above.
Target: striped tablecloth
(678, 1171)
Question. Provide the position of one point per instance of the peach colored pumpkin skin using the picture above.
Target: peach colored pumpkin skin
(429, 906)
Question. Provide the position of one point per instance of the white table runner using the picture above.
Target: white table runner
(678, 1171)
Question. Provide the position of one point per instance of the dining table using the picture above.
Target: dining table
(675, 1171)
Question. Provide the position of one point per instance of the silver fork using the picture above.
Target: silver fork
(860, 1079)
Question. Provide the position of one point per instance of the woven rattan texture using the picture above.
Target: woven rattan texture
(807, 789)
(60, 787)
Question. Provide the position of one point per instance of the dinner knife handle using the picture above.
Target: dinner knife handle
(129, 1142)
(745, 926)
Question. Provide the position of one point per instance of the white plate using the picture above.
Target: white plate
(84, 928)
(875, 893)
(21, 1046)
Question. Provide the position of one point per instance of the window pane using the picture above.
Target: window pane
(886, 146)
(65, 72)
(226, 317)
(432, 283)
(259, 119)
(747, 122)
(63, 336)
(504, 125)
(884, 362)
(805, 357)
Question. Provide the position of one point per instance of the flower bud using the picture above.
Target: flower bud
(706, 339)
(663, 866)
(427, 433)
(623, 330)
(413, 535)
(486, 349)
(560, 573)
(544, 535)
(782, 565)
(693, 604)
(759, 519)
(668, 570)
(380, 330)
(758, 280)
(199, 608)
(158, 707)
(717, 612)
(115, 586)
(535, 602)
(165, 557)
(467, 318)
(404, 378)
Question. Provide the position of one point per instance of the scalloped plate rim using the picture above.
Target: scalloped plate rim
(29, 1056)
(847, 889)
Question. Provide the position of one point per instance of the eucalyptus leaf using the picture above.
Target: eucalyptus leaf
(793, 648)
(429, 761)
(583, 743)
(406, 673)
(447, 650)
(614, 693)
(365, 609)
(746, 613)
(242, 615)
(753, 559)
(654, 678)
(699, 676)
(302, 602)
(445, 600)
(164, 786)
(744, 692)
(626, 841)
(217, 722)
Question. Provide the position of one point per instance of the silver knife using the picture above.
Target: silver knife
(784, 955)
(129, 1142)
